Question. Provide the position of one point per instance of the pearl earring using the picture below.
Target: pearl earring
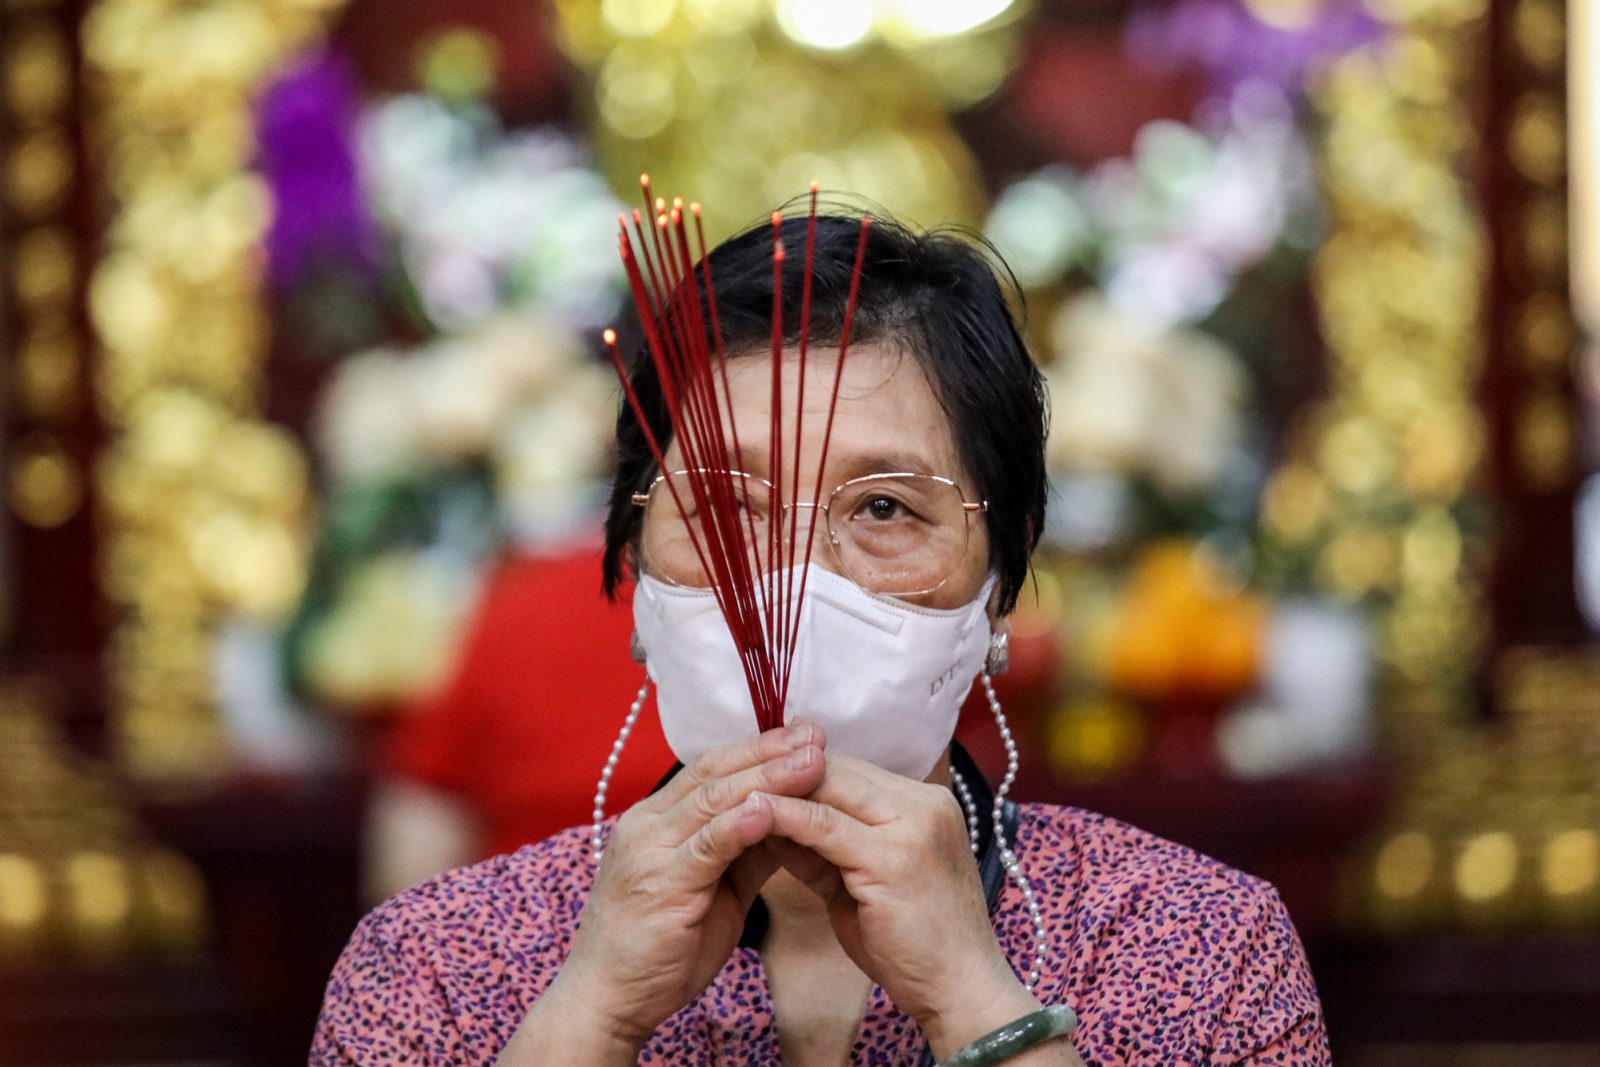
(998, 661)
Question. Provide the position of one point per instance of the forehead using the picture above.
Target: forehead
(886, 415)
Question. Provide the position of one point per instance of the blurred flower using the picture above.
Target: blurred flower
(1091, 739)
(392, 634)
(366, 422)
(1184, 629)
(1275, 42)
(488, 219)
(550, 467)
(1137, 399)
(305, 124)
(459, 409)
(456, 399)
(1167, 232)
(1041, 227)
(498, 422)
(1189, 213)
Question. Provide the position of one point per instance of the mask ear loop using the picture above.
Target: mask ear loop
(596, 846)
(1008, 858)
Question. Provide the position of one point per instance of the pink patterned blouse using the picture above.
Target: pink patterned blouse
(1169, 959)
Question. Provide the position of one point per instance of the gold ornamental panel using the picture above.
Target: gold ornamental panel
(206, 504)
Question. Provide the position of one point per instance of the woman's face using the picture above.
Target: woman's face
(886, 420)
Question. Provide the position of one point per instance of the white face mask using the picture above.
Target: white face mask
(885, 679)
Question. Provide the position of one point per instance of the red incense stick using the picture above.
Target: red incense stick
(752, 573)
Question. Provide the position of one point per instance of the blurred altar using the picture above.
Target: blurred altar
(306, 428)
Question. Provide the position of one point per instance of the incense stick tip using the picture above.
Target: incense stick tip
(609, 336)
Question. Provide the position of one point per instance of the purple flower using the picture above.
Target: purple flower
(305, 121)
(1232, 44)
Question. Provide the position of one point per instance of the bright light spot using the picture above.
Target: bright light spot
(1571, 862)
(826, 24)
(1288, 15)
(24, 897)
(1584, 66)
(1404, 865)
(725, 16)
(1487, 866)
(99, 888)
(942, 18)
(637, 18)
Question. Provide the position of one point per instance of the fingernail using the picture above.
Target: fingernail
(751, 805)
(800, 759)
(798, 734)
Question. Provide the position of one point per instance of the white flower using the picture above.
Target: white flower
(485, 218)
(550, 462)
(459, 407)
(367, 421)
(526, 355)
(1131, 396)
(1166, 284)
(394, 632)
(1039, 227)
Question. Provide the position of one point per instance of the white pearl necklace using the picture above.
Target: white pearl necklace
(969, 807)
(604, 784)
(1008, 858)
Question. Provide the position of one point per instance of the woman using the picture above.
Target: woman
(835, 891)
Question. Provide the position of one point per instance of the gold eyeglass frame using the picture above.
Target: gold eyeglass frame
(968, 508)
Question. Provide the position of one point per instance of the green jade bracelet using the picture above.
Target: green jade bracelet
(1015, 1038)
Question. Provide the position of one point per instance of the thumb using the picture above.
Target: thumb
(810, 869)
(750, 872)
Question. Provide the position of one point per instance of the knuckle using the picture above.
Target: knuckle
(703, 845)
(947, 820)
(704, 767)
(712, 797)
(625, 828)
(947, 810)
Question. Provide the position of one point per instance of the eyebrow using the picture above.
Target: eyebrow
(882, 463)
(850, 465)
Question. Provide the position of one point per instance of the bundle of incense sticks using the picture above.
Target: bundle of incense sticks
(751, 570)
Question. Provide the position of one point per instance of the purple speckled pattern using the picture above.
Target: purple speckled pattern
(1168, 957)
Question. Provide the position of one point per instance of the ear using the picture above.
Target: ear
(998, 623)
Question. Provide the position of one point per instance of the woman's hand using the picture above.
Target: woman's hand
(891, 858)
(680, 871)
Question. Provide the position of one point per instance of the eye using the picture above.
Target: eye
(883, 508)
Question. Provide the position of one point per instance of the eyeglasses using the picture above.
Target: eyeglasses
(897, 534)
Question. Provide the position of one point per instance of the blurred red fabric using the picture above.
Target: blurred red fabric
(523, 727)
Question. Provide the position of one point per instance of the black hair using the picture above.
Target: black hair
(936, 295)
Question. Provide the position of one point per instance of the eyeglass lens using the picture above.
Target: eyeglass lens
(895, 534)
